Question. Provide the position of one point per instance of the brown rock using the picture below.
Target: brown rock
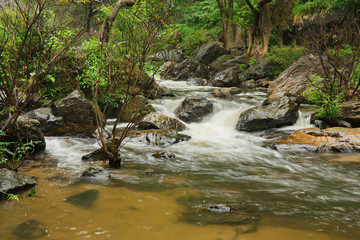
(336, 139)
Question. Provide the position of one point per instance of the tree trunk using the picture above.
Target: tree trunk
(232, 32)
(107, 25)
(260, 33)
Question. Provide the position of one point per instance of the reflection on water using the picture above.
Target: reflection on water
(293, 196)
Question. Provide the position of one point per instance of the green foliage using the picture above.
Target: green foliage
(282, 57)
(305, 7)
(194, 41)
(327, 102)
(12, 153)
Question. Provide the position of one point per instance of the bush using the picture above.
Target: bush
(281, 58)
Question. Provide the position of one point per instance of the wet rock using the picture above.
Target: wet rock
(26, 129)
(336, 139)
(12, 182)
(173, 55)
(351, 112)
(158, 137)
(47, 120)
(95, 171)
(277, 114)
(71, 115)
(152, 90)
(226, 78)
(194, 109)
(226, 93)
(295, 79)
(239, 61)
(221, 214)
(84, 200)
(187, 69)
(250, 84)
(210, 52)
(160, 121)
(31, 229)
(259, 70)
(97, 155)
(164, 155)
(138, 107)
(197, 82)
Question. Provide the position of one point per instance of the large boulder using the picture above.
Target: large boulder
(71, 115)
(95, 171)
(26, 129)
(336, 139)
(173, 55)
(48, 122)
(277, 114)
(194, 109)
(210, 52)
(186, 69)
(241, 61)
(259, 70)
(351, 113)
(156, 120)
(226, 78)
(12, 182)
(296, 78)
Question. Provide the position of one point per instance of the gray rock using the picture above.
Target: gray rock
(351, 113)
(279, 113)
(97, 155)
(136, 108)
(12, 182)
(194, 109)
(197, 82)
(84, 200)
(250, 84)
(173, 55)
(259, 70)
(226, 78)
(158, 137)
(26, 129)
(156, 120)
(239, 61)
(295, 79)
(95, 171)
(210, 52)
(78, 113)
(47, 120)
(187, 69)
(31, 229)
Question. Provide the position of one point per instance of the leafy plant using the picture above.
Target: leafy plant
(327, 103)
(12, 153)
(282, 57)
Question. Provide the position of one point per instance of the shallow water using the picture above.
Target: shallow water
(295, 196)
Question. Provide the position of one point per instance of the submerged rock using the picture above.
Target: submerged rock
(84, 200)
(336, 139)
(158, 137)
(164, 155)
(12, 182)
(31, 229)
(95, 171)
(194, 109)
(279, 113)
(222, 214)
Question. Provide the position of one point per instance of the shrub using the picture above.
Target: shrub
(282, 57)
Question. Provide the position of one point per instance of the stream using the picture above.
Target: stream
(293, 195)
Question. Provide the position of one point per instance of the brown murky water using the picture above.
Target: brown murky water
(121, 213)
